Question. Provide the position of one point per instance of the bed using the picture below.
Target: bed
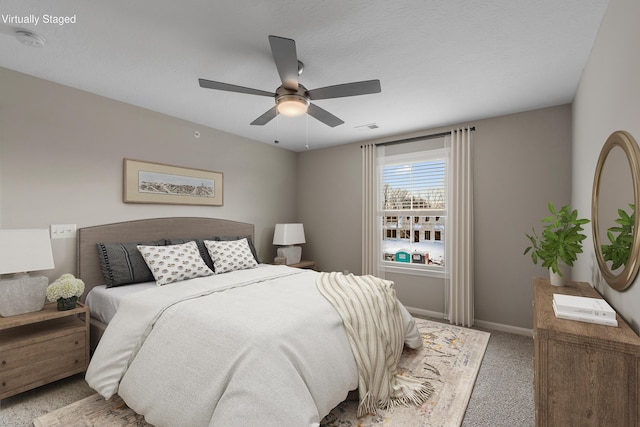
(88, 260)
(251, 346)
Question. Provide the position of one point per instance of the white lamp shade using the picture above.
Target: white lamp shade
(288, 234)
(22, 251)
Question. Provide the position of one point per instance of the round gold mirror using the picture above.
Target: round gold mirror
(616, 193)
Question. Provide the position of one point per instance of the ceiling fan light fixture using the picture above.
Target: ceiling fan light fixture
(292, 98)
(292, 105)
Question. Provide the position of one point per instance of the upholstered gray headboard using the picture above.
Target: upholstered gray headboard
(146, 230)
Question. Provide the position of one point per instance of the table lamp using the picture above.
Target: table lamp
(22, 251)
(289, 235)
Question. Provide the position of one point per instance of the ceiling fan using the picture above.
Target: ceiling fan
(292, 98)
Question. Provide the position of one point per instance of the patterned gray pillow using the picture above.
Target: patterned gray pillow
(122, 263)
(200, 243)
(173, 263)
(249, 241)
(204, 253)
(230, 255)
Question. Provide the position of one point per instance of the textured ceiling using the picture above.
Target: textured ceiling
(440, 62)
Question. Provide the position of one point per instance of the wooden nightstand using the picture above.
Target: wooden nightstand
(305, 264)
(42, 347)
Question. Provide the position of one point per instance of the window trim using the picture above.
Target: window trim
(413, 269)
(395, 159)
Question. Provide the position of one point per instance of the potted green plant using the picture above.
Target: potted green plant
(620, 248)
(560, 240)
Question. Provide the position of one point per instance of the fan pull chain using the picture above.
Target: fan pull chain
(307, 131)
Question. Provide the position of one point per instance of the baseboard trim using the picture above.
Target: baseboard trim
(504, 328)
(426, 313)
(481, 323)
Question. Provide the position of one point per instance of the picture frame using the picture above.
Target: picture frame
(149, 182)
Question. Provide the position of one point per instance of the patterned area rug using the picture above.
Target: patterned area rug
(92, 411)
(450, 361)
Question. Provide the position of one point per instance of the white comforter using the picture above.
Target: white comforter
(252, 347)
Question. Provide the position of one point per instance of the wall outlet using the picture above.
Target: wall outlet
(63, 231)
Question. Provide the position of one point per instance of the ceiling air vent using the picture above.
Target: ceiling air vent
(367, 127)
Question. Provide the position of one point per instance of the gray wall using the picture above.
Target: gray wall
(521, 161)
(61, 156)
(608, 99)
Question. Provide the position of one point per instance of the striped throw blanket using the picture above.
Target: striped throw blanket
(372, 320)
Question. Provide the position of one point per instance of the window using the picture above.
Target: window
(413, 211)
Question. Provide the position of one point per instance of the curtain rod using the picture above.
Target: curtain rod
(418, 138)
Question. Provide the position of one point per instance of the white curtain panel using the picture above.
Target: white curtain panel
(370, 226)
(459, 236)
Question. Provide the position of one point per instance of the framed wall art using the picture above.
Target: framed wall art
(147, 182)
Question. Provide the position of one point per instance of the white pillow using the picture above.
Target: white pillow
(173, 263)
(230, 255)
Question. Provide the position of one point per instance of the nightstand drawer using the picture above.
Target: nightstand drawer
(43, 371)
(32, 354)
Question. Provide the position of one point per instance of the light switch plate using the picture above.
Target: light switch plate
(63, 231)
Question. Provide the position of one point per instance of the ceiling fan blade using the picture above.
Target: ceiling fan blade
(266, 117)
(324, 116)
(286, 59)
(209, 84)
(346, 89)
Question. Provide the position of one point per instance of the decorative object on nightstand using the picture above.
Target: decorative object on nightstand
(289, 235)
(22, 251)
(65, 291)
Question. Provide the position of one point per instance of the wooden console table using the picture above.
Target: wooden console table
(585, 374)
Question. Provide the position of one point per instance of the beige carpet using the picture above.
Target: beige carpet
(450, 361)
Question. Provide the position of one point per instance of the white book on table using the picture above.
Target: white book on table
(581, 317)
(584, 305)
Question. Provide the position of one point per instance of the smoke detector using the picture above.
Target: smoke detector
(29, 38)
